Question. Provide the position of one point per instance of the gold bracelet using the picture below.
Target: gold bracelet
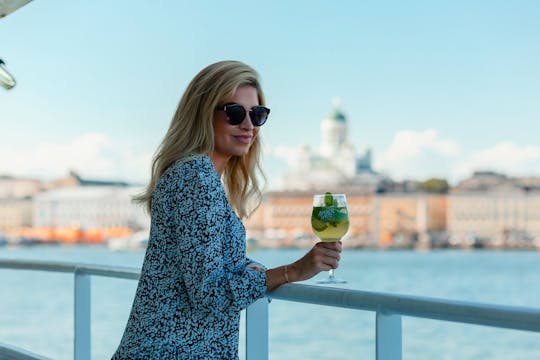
(286, 275)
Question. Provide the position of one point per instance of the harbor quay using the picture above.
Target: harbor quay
(464, 217)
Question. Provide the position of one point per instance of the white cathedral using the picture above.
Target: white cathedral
(336, 166)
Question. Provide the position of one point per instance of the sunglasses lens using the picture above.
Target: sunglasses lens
(235, 113)
(258, 115)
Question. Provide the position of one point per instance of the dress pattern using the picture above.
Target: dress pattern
(194, 280)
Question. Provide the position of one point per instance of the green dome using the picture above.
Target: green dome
(337, 116)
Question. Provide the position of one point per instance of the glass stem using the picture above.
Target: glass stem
(331, 274)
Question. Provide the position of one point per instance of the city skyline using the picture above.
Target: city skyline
(436, 90)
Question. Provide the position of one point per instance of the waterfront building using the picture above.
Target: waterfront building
(89, 207)
(17, 197)
(491, 209)
(19, 188)
(16, 201)
(284, 219)
(410, 219)
(376, 220)
(74, 179)
(15, 213)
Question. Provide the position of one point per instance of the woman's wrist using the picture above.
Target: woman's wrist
(280, 275)
(293, 272)
(286, 274)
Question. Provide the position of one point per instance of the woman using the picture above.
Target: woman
(196, 278)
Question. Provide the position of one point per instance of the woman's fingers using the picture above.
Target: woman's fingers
(330, 249)
(322, 257)
(327, 255)
(331, 261)
(337, 246)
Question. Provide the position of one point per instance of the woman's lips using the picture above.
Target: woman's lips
(244, 139)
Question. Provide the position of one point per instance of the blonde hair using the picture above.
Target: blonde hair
(192, 131)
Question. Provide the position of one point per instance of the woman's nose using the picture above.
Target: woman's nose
(247, 124)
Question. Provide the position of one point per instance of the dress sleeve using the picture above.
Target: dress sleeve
(212, 285)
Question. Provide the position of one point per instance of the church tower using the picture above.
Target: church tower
(333, 133)
(336, 164)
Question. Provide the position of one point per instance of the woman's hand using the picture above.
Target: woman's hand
(322, 257)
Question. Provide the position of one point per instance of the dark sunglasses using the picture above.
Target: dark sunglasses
(236, 114)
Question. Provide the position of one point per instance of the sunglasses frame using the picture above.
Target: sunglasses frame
(246, 111)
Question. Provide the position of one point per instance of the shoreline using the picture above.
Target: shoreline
(46, 245)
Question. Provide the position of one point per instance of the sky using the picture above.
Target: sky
(434, 88)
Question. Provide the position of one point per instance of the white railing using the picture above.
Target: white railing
(10, 352)
(82, 299)
(388, 309)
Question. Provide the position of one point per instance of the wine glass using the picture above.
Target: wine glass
(330, 221)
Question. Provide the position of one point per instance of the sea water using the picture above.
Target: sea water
(36, 308)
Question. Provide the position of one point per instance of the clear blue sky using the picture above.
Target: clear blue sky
(436, 88)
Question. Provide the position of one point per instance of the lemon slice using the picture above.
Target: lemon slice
(318, 225)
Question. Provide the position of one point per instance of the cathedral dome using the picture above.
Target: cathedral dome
(337, 116)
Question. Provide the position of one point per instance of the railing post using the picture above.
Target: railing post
(257, 330)
(81, 341)
(388, 337)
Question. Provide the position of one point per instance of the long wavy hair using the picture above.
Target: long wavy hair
(192, 132)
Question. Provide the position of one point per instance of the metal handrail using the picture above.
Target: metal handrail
(82, 298)
(501, 316)
(121, 272)
(13, 352)
(388, 308)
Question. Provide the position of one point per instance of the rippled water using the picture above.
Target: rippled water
(36, 308)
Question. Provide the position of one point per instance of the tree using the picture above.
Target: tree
(434, 185)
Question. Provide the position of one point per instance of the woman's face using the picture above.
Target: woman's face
(235, 140)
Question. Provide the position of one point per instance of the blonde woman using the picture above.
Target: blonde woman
(196, 277)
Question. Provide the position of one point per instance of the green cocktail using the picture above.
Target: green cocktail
(330, 222)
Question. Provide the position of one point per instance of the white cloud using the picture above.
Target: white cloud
(282, 152)
(94, 155)
(418, 154)
(276, 160)
(413, 155)
(506, 157)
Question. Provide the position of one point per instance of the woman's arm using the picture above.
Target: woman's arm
(211, 283)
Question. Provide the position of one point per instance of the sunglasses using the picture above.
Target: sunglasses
(236, 114)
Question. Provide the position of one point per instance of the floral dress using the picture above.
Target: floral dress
(195, 279)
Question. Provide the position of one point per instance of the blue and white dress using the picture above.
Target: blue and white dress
(194, 279)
